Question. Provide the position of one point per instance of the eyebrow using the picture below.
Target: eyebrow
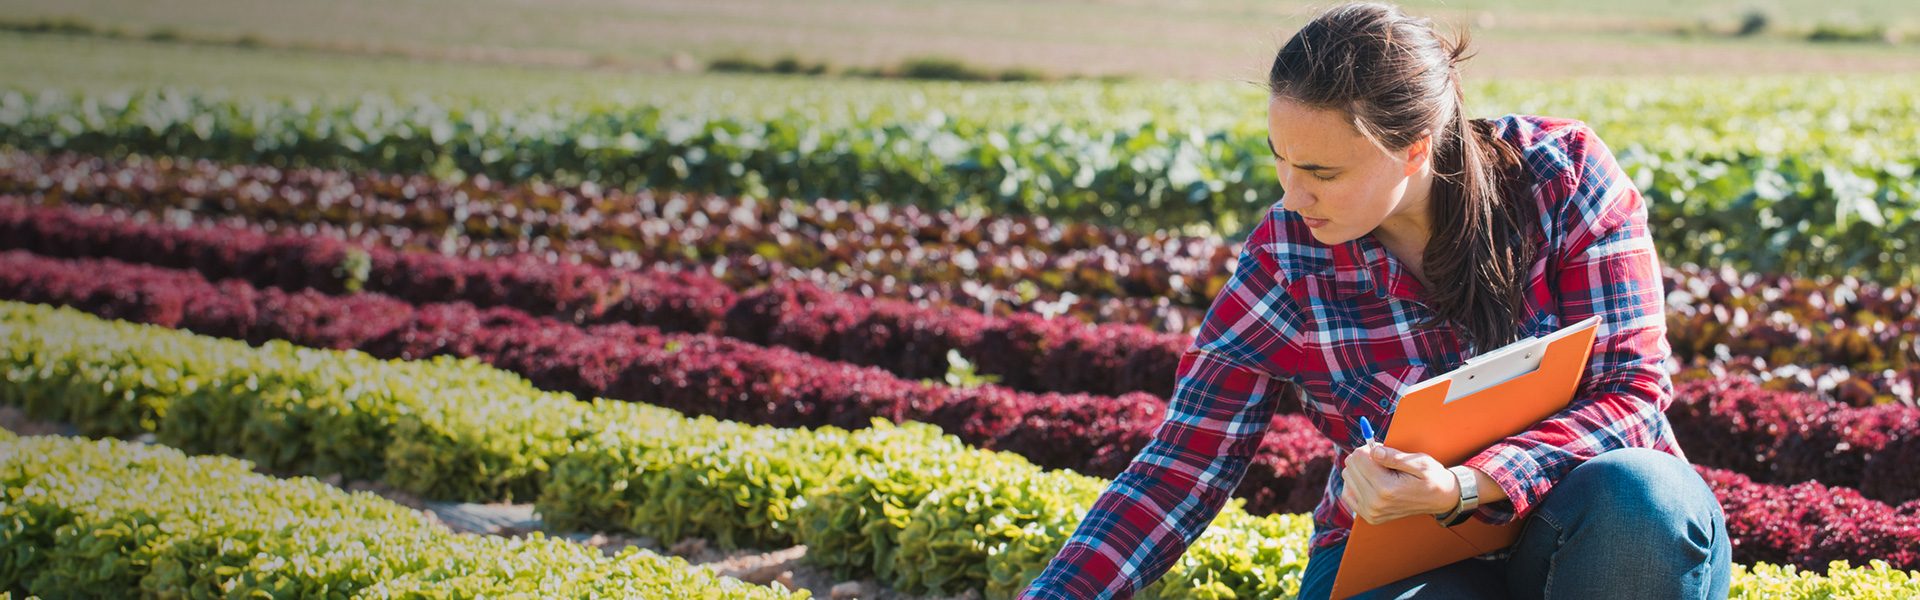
(1301, 166)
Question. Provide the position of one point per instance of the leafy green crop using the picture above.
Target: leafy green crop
(1840, 581)
(674, 477)
(443, 428)
(937, 516)
(121, 519)
(642, 468)
(1780, 175)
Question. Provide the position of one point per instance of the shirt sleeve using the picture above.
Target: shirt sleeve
(1607, 267)
(1222, 403)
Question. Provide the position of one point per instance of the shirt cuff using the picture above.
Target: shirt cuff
(1518, 474)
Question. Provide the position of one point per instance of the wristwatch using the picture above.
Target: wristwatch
(1469, 497)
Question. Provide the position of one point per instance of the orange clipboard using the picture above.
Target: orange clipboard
(1453, 428)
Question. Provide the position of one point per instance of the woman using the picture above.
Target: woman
(1411, 238)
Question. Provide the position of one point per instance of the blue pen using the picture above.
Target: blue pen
(1366, 431)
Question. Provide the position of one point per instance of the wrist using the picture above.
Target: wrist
(1466, 497)
(1470, 497)
(1451, 497)
(1490, 490)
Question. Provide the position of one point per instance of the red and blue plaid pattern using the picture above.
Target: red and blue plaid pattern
(1340, 324)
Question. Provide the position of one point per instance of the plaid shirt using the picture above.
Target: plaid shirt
(1338, 322)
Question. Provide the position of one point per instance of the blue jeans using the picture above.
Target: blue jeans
(1629, 523)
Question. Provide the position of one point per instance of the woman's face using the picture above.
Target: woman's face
(1343, 184)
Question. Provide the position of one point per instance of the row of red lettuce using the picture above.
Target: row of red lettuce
(708, 375)
(1024, 350)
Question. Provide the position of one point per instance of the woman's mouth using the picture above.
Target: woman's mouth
(1314, 223)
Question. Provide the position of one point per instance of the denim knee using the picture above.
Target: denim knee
(1638, 522)
(1641, 492)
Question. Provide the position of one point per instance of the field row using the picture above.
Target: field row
(831, 326)
(863, 243)
(1026, 351)
(957, 519)
(693, 373)
(992, 263)
(1774, 437)
(1783, 211)
(1778, 437)
(117, 518)
(1853, 342)
(954, 518)
(854, 246)
(826, 327)
(996, 264)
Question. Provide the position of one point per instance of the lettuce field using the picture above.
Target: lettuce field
(913, 335)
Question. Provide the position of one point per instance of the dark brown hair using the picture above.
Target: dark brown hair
(1398, 80)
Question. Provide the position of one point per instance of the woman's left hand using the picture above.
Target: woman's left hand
(1383, 484)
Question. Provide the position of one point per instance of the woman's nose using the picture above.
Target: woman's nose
(1294, 200)
(1292, 197)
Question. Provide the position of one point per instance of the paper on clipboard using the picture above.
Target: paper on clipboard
(1452, 417)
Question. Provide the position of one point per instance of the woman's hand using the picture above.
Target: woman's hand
(1383, 484)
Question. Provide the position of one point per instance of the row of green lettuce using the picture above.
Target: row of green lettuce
(89, 518)
(915, 508)
(1783, 202)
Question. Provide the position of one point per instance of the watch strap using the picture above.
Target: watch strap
(1469, 497)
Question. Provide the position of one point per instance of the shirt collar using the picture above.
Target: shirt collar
(1348, 269)
(1378, 271)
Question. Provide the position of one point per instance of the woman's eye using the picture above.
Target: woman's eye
(1324, 178)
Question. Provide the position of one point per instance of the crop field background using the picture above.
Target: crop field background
(1191, 40)
(839, 298)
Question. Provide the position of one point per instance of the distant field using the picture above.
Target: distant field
(36, 63)
(53, 62)
(1205, 40)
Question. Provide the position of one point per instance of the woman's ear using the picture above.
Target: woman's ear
(1417, 154)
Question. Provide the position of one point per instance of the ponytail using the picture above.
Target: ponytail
(1483, 217)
